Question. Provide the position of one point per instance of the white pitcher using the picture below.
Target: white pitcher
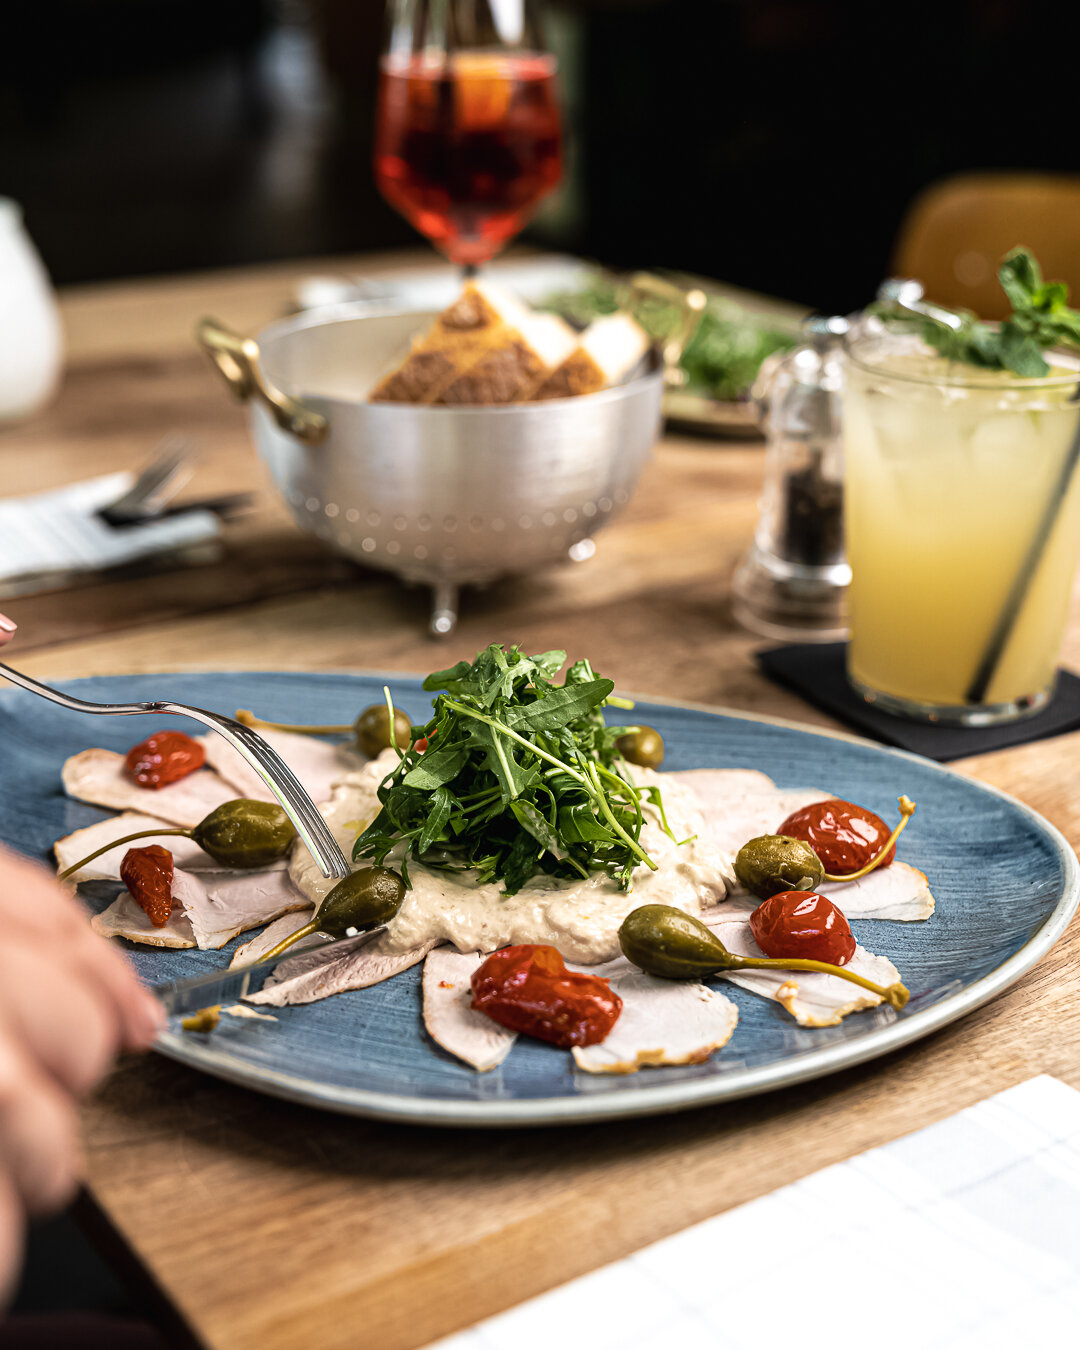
(31, 341)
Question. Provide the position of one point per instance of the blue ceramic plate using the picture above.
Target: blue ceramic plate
(1006, 885)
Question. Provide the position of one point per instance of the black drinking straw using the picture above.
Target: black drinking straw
(984, 673)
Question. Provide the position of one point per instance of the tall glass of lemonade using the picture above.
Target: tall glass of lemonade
(954, 475)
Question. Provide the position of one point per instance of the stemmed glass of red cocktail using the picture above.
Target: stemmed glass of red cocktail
(468, 134)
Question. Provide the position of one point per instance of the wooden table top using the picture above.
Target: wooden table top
(264, 1226)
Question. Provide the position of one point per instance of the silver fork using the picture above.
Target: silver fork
(159, 481)
(269, 765)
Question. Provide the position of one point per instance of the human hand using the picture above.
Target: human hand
(8, 628)
(68, 1003)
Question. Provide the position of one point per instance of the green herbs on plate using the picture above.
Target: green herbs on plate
(722, 359)
(1040, 320)
(521, 775)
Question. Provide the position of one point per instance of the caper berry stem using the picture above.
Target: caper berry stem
(907, 810)
(260, 724)
(895, 994)
(115, 843)
(286, 943)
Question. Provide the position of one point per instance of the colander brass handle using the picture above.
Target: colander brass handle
(237, 358)
(692, 303)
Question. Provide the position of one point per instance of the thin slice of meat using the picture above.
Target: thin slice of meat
(314, 976)
(662, 1022)
(898, 892)
(811, 997)
(451, 1020)
(732, 821)
(186, 853)
(219, 906)
(713, 785)
(316, 763)
(97, 776)
(271, 935)
(125, 918)
(247, 1014)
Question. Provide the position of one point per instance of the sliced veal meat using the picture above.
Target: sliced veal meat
(662, 1022)
(186, 853)
(898, 892)
(316, 763)
(124, 918)
(732, 821)
(354, 804)
(451, 1020)
(222, 905)
(314, 976)
(811, 997)
(249, 1014)
(97, 776)
(271, 935)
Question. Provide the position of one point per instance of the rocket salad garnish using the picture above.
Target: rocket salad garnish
(521, 776)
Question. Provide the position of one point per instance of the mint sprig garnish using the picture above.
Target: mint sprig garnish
(1040, 320)
(521, 775)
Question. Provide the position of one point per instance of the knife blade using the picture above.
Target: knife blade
(181, 997)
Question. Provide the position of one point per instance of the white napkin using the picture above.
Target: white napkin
(50, 535)
(962, 1236)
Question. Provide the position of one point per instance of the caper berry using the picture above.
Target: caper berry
(772, 863)
(365, 899)
(643, 745)
(665, 941)
(245, 833)
(372, 729)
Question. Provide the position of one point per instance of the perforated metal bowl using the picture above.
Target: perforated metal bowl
(443, 496)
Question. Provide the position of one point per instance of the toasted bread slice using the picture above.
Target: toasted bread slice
(481, 316)
(605, 354)
(509, 371)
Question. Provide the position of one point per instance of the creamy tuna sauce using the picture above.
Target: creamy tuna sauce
(580, 918)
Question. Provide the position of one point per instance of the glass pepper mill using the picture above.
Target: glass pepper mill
(792, 582)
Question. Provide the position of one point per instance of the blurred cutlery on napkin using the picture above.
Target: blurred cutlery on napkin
(53, 539)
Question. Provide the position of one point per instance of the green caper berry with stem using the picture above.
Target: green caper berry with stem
(772, 863)
(643, 746)
(365, 899)
(664, 941)
(245, 833)
(372, 729)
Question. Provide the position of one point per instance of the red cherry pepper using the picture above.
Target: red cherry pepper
(529, 989)
(163, 758)
(148, 875)
(844, 836)
(801, 925)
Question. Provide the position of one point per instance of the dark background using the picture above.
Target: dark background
(772, 143)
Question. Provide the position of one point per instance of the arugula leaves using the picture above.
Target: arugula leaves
(1040, 319)
(521, 775)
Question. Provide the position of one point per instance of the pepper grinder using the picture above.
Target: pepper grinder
(791, 584)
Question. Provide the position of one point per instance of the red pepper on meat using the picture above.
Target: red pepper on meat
(148, 875)
(844, 836)
(529, 989)
(163, 758)
(802, 926)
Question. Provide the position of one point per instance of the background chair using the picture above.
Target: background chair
(956, 231)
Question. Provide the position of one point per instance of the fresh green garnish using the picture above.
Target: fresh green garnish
(521, 775)
(723, 357)
(1040, 320)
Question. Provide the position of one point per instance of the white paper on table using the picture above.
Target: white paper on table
(60, 531)
(962, 1236)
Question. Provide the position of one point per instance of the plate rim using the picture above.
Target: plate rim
(662, 1098)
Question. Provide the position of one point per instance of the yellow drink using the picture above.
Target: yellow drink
(948, 474)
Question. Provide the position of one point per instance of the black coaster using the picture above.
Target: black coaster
(816, 671)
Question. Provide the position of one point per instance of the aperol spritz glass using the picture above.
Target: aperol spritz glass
(468, 133)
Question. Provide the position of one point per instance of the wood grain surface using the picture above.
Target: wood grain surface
(271, 1227)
